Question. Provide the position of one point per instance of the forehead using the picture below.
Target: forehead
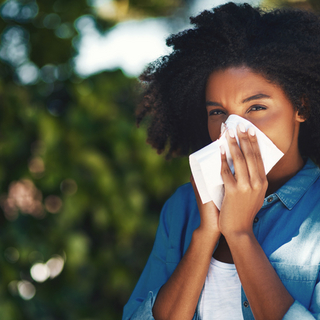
(239, 82)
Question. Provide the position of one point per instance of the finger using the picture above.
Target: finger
(248, 152)
(226, 173)
(256, 150)
(239, 161)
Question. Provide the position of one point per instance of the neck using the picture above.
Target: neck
(282, 172)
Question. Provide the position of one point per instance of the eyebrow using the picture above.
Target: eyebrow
(255, 97)
(213, 104)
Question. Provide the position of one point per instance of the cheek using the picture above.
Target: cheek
(281, 133)
(214, 130)
(286, 137)
(281, 137)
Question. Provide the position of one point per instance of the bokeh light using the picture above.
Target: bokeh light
(14, 45)
(13, 287)
(37, 167)
(28, 73)
(52, 21)
(68, 187)
(55, 265)
(26, 289)
(40, 272)
(65, 31)
(20, 12)
(48, 73)
(25, 197)
(11, 254)
(53, 204)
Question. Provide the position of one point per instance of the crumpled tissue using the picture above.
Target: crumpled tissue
(205, 163)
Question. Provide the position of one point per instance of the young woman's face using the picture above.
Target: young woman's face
(249, 95)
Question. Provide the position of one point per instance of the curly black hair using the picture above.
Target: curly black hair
(282, 45)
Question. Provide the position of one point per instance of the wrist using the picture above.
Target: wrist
(238, 237)
(205, 235)
(236, 228)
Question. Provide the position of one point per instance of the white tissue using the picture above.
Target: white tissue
(206, 163)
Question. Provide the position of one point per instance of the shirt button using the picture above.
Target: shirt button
(256, 219)
(270, 199)
(246, 304)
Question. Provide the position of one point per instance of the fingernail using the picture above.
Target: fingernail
(251, 131)
(223, 128)
(231, 133)
(242, 128)
(222, 149)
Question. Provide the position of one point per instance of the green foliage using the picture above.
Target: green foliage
(80, 189)
(312, 5)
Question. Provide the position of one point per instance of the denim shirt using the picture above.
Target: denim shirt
(287, 227)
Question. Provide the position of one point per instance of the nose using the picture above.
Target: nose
(237, 113)
(223, 128)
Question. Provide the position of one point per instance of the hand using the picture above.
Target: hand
(245, 190)
(209, 213)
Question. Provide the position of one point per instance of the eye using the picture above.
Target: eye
(215, 112)
(256, 108)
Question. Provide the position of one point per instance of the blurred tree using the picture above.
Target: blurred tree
(313, 5)
(80, 191)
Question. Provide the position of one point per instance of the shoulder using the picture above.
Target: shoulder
(180, 214)
(182, 199)
(184, 191)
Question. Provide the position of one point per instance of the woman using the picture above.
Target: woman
(259, 257)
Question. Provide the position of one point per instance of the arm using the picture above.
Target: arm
(244, 194)
(178, 298)
(175, 219)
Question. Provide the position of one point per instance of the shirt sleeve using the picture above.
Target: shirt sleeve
(299, 312)
(154, 275)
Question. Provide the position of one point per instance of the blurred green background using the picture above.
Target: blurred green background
(80, 190)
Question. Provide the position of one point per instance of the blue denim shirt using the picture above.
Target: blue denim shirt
(287, 228)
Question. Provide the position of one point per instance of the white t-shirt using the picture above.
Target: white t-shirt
(221, 296)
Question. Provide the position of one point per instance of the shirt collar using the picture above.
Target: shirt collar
(292, 191)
